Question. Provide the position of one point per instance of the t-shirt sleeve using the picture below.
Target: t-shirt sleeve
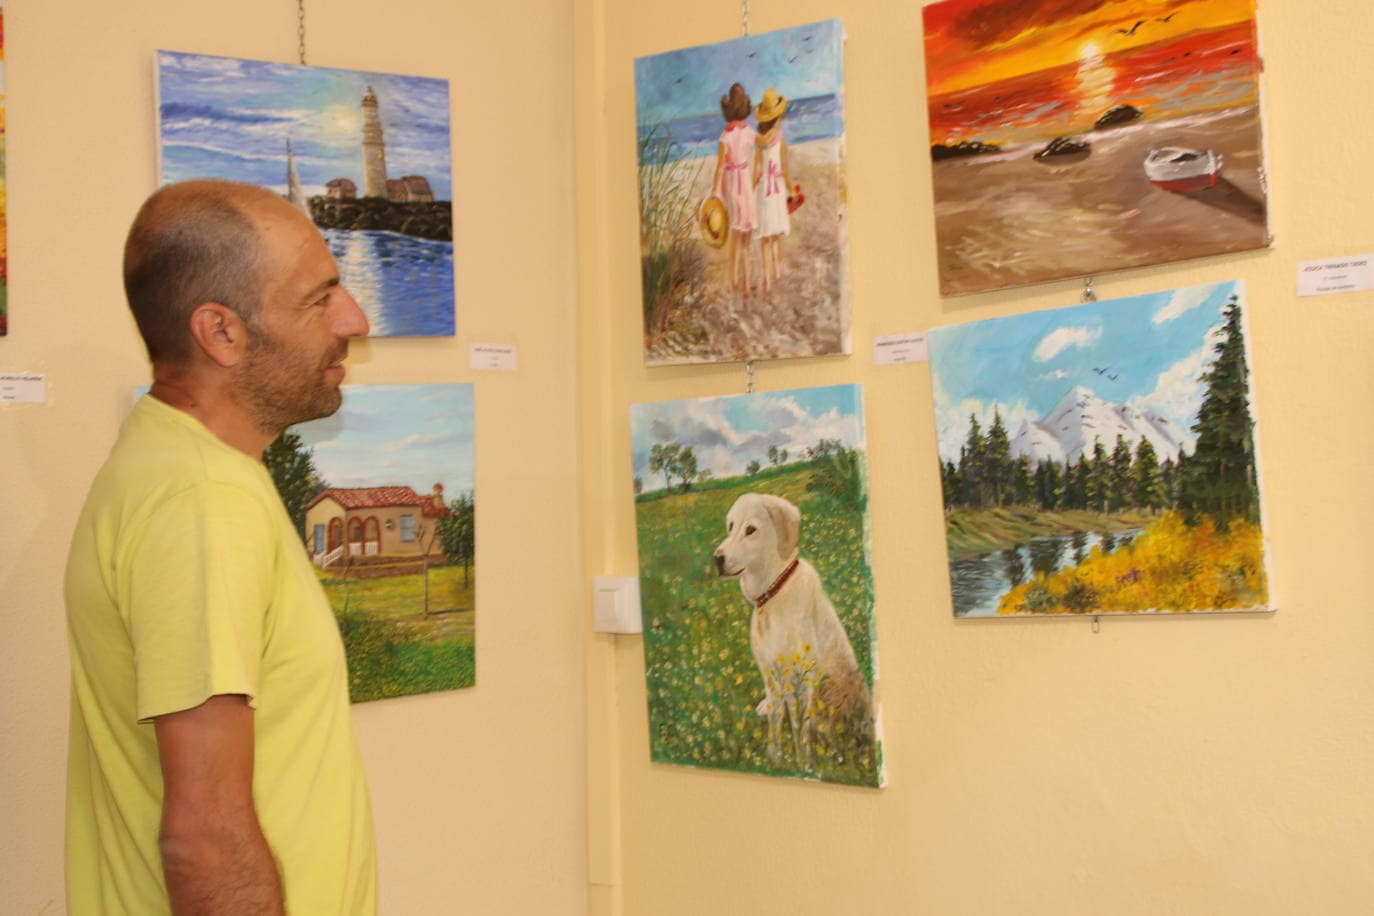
(196, 582)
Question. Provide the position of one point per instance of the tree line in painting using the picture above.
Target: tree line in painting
(1217, 481)
(837, 469)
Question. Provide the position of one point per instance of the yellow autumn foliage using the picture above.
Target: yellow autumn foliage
(1169, 567)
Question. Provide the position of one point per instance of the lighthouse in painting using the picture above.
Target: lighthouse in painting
(374, 149)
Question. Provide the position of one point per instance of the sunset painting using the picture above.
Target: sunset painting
(1074, 137)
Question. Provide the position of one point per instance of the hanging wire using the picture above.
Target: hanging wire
(1088, 294)
(749, 372)
(300, 29)
(744, 17)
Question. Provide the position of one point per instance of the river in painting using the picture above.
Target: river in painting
(403, 284)
(980, 581)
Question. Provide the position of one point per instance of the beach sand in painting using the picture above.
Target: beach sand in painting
(1001, 218)
(802, 315)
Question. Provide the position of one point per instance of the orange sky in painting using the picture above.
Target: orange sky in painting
(976, 42)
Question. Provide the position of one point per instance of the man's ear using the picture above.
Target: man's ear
(219, 333)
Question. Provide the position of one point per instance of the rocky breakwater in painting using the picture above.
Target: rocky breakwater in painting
(431, 220)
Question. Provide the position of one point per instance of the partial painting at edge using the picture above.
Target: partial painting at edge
(365, 155)
(1101, 459)
(4, 207)
(382, 496)
(756, 586)
(1070, 139)
(742, 234)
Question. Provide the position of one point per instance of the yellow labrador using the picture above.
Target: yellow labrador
(809, 671)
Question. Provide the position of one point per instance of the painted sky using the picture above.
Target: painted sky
(800, 62)
(976, 42)
(222, 117)
(1157, 345)
(727, 433)
(396, 435)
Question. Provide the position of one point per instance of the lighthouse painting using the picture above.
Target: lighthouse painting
(365, 155)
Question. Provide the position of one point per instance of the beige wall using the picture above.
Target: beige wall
(1209, 765)
(478, 793)
(1184, 766)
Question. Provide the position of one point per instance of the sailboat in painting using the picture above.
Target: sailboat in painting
(294, 192)
(1073, 139)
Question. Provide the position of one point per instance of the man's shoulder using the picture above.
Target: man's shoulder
(162, 454)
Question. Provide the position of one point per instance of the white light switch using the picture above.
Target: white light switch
(615, 604)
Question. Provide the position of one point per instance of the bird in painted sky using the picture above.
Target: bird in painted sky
(1168, 17)
(1131, 30)
(1102, 371)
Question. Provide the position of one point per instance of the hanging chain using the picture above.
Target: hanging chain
(1088, 294)
(300, 29)
(749, 371)
(744, 16)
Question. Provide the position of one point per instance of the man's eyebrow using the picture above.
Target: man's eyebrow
(319, 288)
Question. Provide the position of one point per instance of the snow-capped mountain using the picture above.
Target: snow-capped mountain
(1081, 417)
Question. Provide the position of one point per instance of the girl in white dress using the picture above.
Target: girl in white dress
(772, 184)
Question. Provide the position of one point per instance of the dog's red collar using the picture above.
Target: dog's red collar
(777, 585)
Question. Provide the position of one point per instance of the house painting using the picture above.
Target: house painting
(358, 522)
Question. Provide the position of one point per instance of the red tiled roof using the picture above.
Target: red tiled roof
(379, 498)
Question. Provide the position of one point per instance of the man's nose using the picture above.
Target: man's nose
(352, 320)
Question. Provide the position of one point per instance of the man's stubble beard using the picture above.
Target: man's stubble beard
(281, 387)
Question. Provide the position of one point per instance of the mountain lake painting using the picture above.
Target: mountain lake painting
(753, 127)
(382, 496)
(756, 586)
(365, 155)
(1073, 138)
(1101, 459)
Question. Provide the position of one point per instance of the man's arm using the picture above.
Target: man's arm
(214, 856)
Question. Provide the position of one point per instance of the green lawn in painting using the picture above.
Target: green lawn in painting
(703, 683)
(394, 647)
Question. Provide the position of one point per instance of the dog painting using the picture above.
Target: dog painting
(759, 649)
(807, 664)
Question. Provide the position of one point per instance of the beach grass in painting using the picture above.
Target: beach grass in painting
(693, 312)
(382, 496)
(1101, 459)
(365, 155)
(692, 460)
(1043, 115)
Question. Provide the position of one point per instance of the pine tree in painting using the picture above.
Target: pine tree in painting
(1119, 475)
(1148, 483)
(1219, 479)
(997, 462)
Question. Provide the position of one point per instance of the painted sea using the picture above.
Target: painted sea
(1004, 84)
(229, 118)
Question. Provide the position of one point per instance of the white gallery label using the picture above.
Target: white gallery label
(499, 357)
(896, 349)
(1336, 275)
(23, 388)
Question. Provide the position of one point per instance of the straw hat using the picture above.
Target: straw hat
(714, 221)
(772, 106)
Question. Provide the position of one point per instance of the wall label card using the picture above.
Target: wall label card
(498, 357)
(23, 388)
(896, 349)
(1336, 275)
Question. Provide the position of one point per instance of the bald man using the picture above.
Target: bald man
(212, 765)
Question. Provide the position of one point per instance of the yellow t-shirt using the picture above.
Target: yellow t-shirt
(186, 580)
